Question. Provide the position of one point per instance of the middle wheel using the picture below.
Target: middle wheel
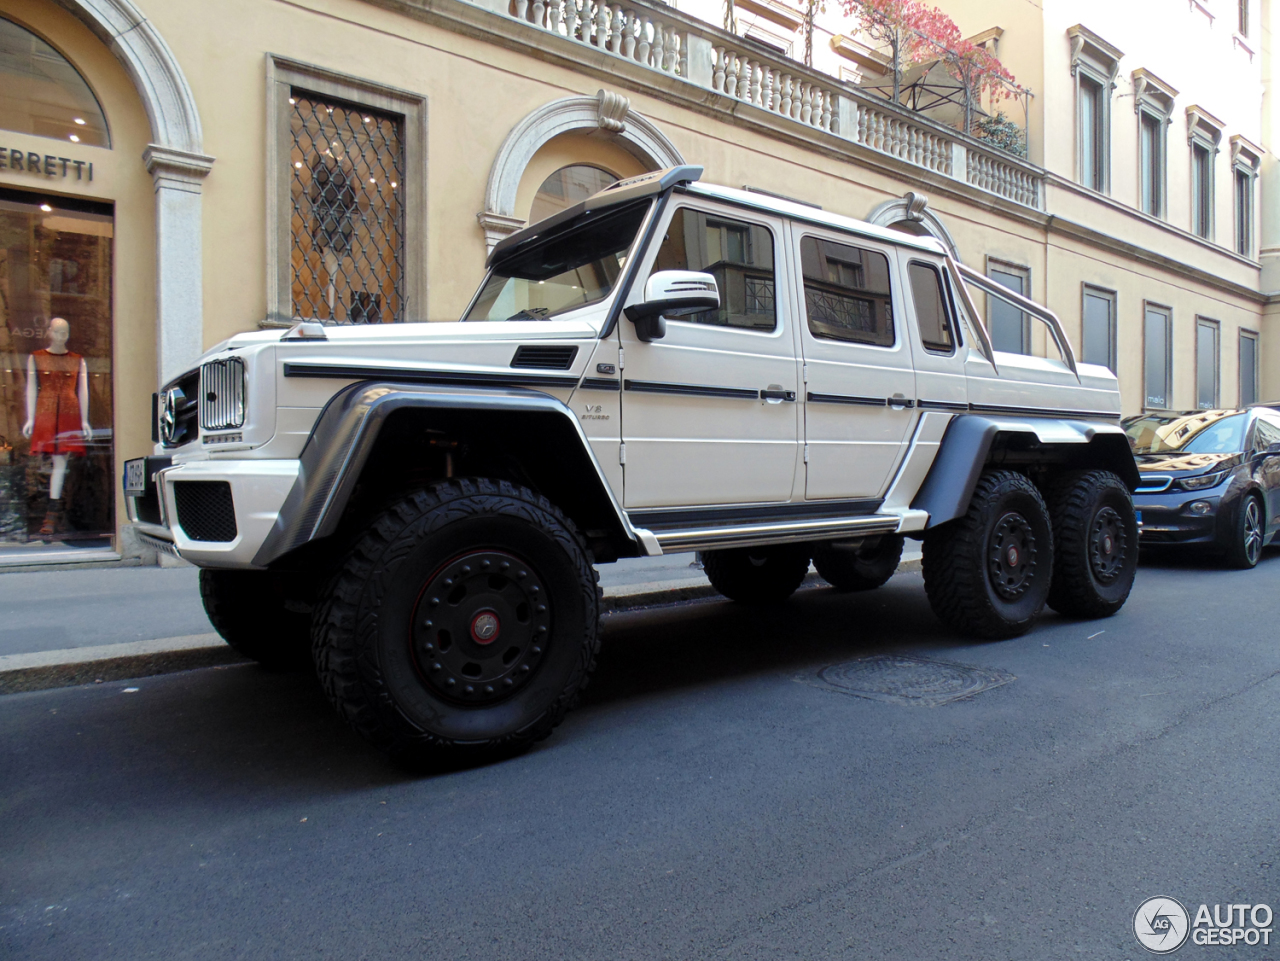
(757, 575)
(987, 574)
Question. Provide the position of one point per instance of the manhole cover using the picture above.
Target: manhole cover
(905, 679)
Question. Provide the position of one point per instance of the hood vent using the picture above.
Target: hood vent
(554, 357)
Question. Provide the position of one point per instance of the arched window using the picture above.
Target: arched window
(41, 93)
(566, 187)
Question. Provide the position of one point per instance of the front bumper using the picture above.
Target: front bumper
(1167, 519)
(214, 513)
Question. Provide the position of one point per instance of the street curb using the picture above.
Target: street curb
(20, 673)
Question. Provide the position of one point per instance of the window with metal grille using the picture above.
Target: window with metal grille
(347, 227)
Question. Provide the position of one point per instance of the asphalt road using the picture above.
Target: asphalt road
(708, 800)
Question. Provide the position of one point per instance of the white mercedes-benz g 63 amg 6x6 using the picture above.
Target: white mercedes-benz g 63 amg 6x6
(665, 366)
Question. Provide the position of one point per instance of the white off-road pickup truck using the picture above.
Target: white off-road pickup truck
(666, 366)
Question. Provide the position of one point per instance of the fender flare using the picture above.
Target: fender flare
(966, 444)
(347, 430)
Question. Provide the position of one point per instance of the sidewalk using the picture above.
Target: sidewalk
(65, 627)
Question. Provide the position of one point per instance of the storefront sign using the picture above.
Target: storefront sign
(46, 165)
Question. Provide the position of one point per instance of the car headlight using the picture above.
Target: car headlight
(1202, 481)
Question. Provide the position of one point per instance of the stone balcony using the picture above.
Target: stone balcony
(665, 40)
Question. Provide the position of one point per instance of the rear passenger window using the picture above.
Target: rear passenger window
(846, 292)
(1266, 433)
(936, 331)
(740, 257)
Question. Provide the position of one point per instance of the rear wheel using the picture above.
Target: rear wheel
(464, 622)
(1245, 548)
(757, 575)
(1095, 537)
(987, 573)
(859, 570)
(248, 609)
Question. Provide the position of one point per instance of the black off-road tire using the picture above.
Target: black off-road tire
(1095, 543)
(860, 570)
(248, 609)
(1248, 532)
(965, 559)
(757, 575)
(381, 649)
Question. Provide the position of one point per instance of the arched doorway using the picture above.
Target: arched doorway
(567, 186)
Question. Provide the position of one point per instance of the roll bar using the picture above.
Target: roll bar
(961, 273)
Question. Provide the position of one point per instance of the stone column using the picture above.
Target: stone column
(178, 176)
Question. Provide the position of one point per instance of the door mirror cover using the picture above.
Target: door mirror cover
(672, 293)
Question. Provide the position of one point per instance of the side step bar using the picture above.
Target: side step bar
(771, 532)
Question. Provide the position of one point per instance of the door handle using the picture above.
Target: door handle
(898, 402)
(775, 395)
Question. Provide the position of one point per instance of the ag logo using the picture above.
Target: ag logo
(1161, 925)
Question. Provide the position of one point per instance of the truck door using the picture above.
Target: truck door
(709, 412)
(859, 381)
(937, 341)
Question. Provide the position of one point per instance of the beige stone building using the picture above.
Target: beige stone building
(174, 171)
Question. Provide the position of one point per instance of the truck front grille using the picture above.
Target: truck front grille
(222, 394)
(206, 511)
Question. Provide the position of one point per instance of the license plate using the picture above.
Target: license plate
(135, 476)
(1138, 514)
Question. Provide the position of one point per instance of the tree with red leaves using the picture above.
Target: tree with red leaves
(912, 30)
(978, 72)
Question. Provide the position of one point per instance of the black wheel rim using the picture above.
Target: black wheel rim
(1252, 531)
(1108, 545)
(1011, 558)
(480, 627)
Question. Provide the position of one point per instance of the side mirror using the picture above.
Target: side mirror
(672, 293)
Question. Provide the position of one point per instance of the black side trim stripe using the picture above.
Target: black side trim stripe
(600, 383)
(846, 399)
(414, 375)
(1042, 412)
(682, 517)
(696, 390)
(942, 405)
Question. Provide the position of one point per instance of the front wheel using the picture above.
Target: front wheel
(987, 573)
(1245, 547)
(1095, 536)
(464, 622)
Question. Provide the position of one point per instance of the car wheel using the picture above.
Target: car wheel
(248, 610)
(987, 574)
(859, 570)
(757, 575)
(1245, 548)
(463, 623)
(1095, 538)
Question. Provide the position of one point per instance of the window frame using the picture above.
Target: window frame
(1166, 311)
(1019, 270)
(1243, 334)
(1153, 100)
(1245, 161)
(1215, 327)
(284, 74)
(1204, 133)
(948, 307)
(1102, 293)
(1094, 60)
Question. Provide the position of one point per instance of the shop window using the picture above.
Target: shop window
(1248, 368)
(347, 225)
(57, 483)
(566, 187)
(1098, 327)
(1157, 357)
(1206, 363)
(1010, 327)
(738, 254)
(846, 292)
(41, 93)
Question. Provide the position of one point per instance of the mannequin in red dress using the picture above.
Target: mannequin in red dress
(57, 410)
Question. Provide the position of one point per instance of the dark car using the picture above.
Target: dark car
(1210, 479)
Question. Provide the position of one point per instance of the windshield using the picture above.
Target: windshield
(1204, 432)
(577, 265)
